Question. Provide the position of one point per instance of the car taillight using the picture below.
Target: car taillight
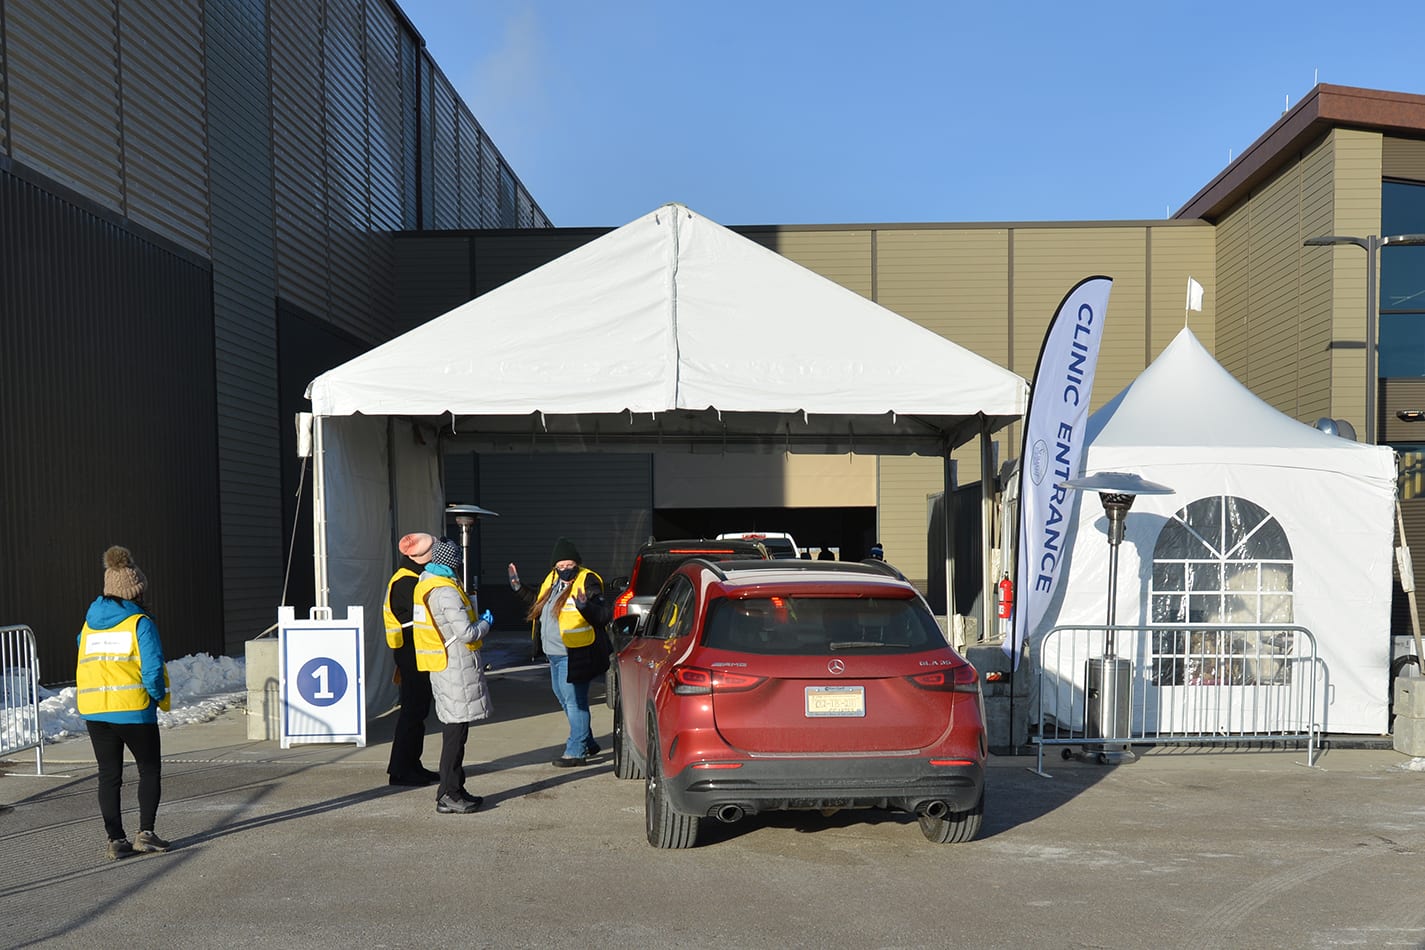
(694, 681)
(621, 605)
(954, 679)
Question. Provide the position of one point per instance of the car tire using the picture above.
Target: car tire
(611, 687)
(625, 765)
(956, 827)
(665, 827)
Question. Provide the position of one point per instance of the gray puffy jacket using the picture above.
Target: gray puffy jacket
(459, 689)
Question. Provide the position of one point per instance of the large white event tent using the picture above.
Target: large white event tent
(670, 332)
(1249, 471)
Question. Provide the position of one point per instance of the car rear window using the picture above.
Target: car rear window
(779, 547)
(818, 626)
(655, 567)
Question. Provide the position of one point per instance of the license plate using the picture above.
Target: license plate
(835, 701)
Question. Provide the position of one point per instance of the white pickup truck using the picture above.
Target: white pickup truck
(779, 544)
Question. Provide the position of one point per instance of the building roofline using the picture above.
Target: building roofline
(1326, 107)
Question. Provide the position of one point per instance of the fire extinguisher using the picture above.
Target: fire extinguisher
(1004, 606)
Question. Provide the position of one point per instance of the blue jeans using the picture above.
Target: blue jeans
(574, 697)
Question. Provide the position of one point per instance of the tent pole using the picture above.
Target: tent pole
(987, 525)
(949, 522)
(319, 513)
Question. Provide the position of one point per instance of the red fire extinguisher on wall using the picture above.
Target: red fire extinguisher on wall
(1004, 605)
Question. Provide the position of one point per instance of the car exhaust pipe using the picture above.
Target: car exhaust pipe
(728, 814)
(935, 810)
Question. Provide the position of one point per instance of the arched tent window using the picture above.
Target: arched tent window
(1222, 560)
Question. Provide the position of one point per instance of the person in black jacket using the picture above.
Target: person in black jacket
(570, 611)
(408, 739)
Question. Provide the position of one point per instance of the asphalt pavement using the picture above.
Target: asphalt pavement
(308, 847)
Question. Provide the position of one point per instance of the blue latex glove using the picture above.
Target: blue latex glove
(488, 617)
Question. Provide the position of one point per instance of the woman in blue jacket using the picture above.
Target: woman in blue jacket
(122, 684)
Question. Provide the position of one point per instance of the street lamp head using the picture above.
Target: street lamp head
(1328, 239)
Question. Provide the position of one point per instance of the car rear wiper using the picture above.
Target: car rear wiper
(865, 644)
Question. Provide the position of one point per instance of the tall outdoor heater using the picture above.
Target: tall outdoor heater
(1108, 699)
(465, 517)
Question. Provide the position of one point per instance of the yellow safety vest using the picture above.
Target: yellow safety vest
(395, 637)
(430, 645)
(109, 675)
(574, 630)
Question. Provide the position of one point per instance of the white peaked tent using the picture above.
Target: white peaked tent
(1187, 423)
(669, 332)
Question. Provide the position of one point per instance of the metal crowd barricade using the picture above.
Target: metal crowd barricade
(20, 694)
(1192, 684)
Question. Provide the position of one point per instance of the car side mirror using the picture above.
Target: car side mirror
(624, 628)
(618, 585)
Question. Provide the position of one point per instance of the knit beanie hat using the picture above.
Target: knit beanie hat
(564, 550)
(447, 552)
(122, 577)
(417, 547)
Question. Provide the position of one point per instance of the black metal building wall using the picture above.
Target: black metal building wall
(107, 422)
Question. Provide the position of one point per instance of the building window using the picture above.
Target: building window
(1402, 282)
(1222, 560)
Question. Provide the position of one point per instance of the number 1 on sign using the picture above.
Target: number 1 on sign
(320, 673)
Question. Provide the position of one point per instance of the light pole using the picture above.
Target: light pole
(1371, 244)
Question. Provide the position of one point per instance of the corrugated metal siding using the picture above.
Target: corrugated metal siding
(1234, 317)
(1356, 210)
(841, 256)
(244, 317)
(298, 153)
(1175, 255)
(433, 277)
(4, 94)
(506, 197)
(1275, 248)
(387, 166)
(905, 484)
(1320, 359)
(502, 256)
(470, 196)
(165, 130)
(1048, 262)
(144, 473)
(412, 148)
(348, 216)
(607, 515)
(1403, 158)
(62, 63)
(445, 168)
(489, 183)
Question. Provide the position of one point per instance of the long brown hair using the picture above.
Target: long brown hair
(538, 607)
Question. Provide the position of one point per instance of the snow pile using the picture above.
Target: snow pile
(202, 687)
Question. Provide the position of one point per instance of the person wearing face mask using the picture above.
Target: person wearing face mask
(448, 636)
(570, 610)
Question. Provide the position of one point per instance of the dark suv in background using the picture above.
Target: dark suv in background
(654, 563)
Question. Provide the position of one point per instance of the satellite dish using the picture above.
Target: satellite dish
(1337, 427)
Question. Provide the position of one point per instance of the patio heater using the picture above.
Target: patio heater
(1108, 699)
(465, 517)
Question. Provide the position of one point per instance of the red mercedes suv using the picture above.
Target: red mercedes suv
(753, 686)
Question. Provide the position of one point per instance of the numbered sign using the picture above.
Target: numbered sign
(321, 677)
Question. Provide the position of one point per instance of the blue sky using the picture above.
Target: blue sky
(838, 112)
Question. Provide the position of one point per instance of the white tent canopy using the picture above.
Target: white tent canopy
(1187, 423)
(670, 331)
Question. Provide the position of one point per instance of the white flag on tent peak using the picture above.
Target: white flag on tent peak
(1194, 295)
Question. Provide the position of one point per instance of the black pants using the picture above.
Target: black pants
(408, 740)
(109, 740)
(452, 754)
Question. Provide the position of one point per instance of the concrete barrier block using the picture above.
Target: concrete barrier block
(1409, 736)
(1409, 697)
(263, 699)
